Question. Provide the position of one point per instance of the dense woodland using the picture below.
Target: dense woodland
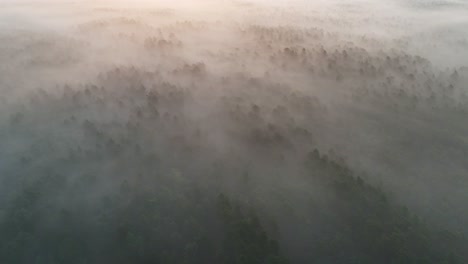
(149, 186)
(166, 135)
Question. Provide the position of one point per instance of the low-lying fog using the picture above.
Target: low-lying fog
(229, 98)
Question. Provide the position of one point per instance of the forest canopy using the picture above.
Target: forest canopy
(236, 132)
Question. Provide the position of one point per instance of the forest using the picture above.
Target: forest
(233, 132)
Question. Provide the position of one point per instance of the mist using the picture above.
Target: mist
(233, 131)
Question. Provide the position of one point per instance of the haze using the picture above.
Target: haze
(233, 131)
